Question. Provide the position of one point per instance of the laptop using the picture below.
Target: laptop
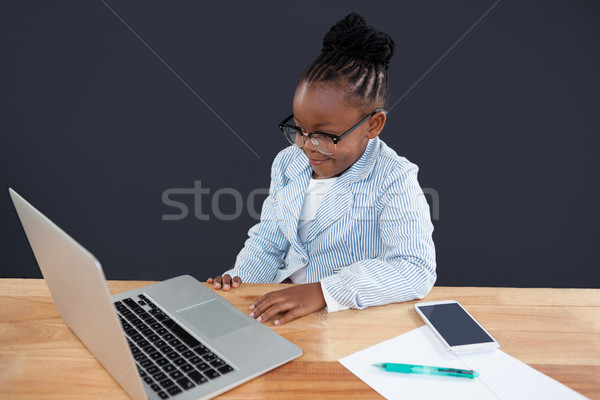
(173, 339)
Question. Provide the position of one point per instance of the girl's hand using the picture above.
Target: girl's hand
(225, 281)
(295, 301)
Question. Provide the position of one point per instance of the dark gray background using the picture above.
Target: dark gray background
(94, 127)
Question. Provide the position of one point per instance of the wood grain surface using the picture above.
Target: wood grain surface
(556, 331)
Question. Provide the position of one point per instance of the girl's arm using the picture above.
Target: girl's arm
(266, 246)
(406, 269)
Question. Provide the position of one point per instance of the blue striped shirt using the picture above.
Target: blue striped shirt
(371, 240)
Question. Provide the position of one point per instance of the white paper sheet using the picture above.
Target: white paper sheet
(500, 375)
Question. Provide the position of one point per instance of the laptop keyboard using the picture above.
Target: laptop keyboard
(169, 359)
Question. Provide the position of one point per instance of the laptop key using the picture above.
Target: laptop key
(174, 390)
(148, 380)
(162, 361)
(146, 364)
(186, 367)
(168, 322)
(179, 361)
(195, 360)
(152, 337)
(209, 357)
(174, 342)
(131, 332)
(167, 383)
(169, 368)
(197, 377)
(156, 356)
(188, 354)
(149, 349)
(155, 387)
(146, 332)
(181, 348)
(148, 319)
(173, 355)
(176, 374)
(185, 336)
(152, 370)
(137, 337)
(185, 383)
(159, 329)
(202, 366)
(168, 336)
(162, 395)
(131, 303)
(211, 373)
(218, 363)
(225, 369)
(140, 357)
(159, 376)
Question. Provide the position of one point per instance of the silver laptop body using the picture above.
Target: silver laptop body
(239, 348)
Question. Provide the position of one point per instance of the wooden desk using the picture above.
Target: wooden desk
(556, 331)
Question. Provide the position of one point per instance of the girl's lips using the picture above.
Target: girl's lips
(317, 162)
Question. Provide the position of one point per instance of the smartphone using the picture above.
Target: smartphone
(455, 327)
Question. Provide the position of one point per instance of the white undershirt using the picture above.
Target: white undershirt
(315, 193)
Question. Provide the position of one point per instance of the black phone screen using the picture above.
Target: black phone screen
(454, 324)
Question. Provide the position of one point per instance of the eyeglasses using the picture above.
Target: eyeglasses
(325, 143)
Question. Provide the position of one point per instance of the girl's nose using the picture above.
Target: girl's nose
(309, 146)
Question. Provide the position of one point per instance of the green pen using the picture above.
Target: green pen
(425, 370)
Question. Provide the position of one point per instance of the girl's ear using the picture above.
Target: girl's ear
(376, 124)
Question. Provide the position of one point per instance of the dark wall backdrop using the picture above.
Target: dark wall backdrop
(105, 105)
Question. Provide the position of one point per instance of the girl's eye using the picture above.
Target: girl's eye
(299, 127)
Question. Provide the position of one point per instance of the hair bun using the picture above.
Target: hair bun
(352, 37)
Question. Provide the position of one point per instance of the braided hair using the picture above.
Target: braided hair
(355, 56)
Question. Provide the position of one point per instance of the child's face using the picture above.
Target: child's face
(326, 109)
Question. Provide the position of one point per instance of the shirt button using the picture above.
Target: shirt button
(304, 260)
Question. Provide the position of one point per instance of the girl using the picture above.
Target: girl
(345, 216)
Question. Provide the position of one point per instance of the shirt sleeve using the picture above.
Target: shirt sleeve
(406, 269)
(332, 304)
(266, 246)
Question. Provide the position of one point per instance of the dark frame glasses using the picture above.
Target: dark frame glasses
(335, 138)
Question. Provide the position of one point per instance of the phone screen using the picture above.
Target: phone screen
(454, 324)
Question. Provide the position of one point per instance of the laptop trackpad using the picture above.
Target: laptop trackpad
(212, 318)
